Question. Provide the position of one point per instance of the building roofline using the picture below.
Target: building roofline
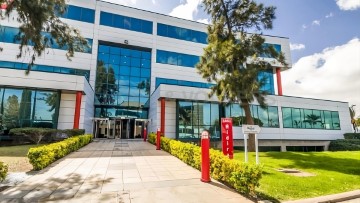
(176, 17)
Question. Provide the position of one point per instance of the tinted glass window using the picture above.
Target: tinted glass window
(124, 22)
(181, 33)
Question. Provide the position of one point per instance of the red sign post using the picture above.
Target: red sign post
(158, 139)
(227, 137)
(205, 157)
(145, 134)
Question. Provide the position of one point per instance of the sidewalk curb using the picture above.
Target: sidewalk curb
(330, 198)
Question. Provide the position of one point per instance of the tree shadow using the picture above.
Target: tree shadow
(324, 161)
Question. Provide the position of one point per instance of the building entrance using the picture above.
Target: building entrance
(123, 128)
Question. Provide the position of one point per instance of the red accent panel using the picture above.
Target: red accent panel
(162, 116)
(278, 79)
(77, 110)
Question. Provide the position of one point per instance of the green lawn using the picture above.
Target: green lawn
(335, 172)
(15, 157)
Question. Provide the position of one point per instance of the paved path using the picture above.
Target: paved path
(119, 171)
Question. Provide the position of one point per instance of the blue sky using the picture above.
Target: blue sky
(324, 37)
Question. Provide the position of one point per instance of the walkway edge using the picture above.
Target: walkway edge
(330, 198)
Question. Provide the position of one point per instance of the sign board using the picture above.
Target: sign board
(205, 135)
(251, 129)
(227, 137)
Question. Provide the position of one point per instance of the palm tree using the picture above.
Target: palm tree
(352, 116)
(232, 58)
(312, 119)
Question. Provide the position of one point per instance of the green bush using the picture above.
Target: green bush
(345, 145)
(350, 136)
(241, 176)
(152, 138)
(3, 171)
(33, 134)
(73, 132)
(41, 157)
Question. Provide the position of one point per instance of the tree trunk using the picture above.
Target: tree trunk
(250, 121)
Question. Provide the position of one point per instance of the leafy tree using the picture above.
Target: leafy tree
(352, 116)
(11, 112)
(232, 57)
(38, 17)
(25, 108)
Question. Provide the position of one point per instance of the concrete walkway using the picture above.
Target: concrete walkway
(119, 171)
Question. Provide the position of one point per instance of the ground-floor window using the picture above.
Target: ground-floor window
(264, 117)
(310, 118)
(28, 108)
(195, 117)
(110, 112)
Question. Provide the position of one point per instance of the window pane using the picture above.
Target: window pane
(147, 27)
(273, 116)
(88, 15)
(327, 120)
(309, 118)
(297, 118)
(73, 12)
(161, 56)
(185, 123)
(135, 71)
(118, 21)
(316, 119)
(263, 117)
(237, 115)
(335, 120)
(287, 120)
(106, 19)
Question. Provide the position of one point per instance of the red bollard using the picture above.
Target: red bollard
(145, 134)
(205, 157)
(158, 139)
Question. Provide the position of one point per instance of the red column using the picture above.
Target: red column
(77, 109)
(162, 116)
(278, 79)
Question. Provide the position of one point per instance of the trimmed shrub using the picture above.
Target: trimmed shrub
(41, 157)
(345, 145)
(3, 171)
(241, 176)
(351, 136)
(152, 138)
(33, 134)
(73, 132)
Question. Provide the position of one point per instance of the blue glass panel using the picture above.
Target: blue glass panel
(136, 24)
(115, 50)
(146, 55)
(73, 12)
(106, 18)
(135, 81)
(124, 60)
(104, 49)
(127, 23)
(172, 32)
(124, 90)
(161, 56)
(147, 27)
(103, 57)
(135, 62)
(118, 21)
(114, 59)
(124, 70)
(145, 72)
(125, 52)
(145, 63)
(124, 80)
(116, 69)
(88, 15)
(172, 58)
(135, 71)
(162, 29)
(134, 91)
(135, 53)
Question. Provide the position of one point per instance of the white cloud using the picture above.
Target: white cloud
(123, 2)
(329, 15)
(186, 10)
(304, 26)
(316, 22)
(348, 4)
(297, 46)
(153, 1)
(205, 21)
(333, 74)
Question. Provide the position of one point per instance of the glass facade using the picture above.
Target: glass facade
(122, 81)
(185, 83)
(267, 117)
(28, 108)
(43, 68)
(310, 119)
(8, 35)
(177, 59)
(124, 22)
(194, 117)
(181, 33)
(277, 48)
(79, 14)
(267, 80)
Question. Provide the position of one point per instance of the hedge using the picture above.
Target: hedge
(41, 157)
(3, 171)
(241, 176)
(352, 136)
(345, 145)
